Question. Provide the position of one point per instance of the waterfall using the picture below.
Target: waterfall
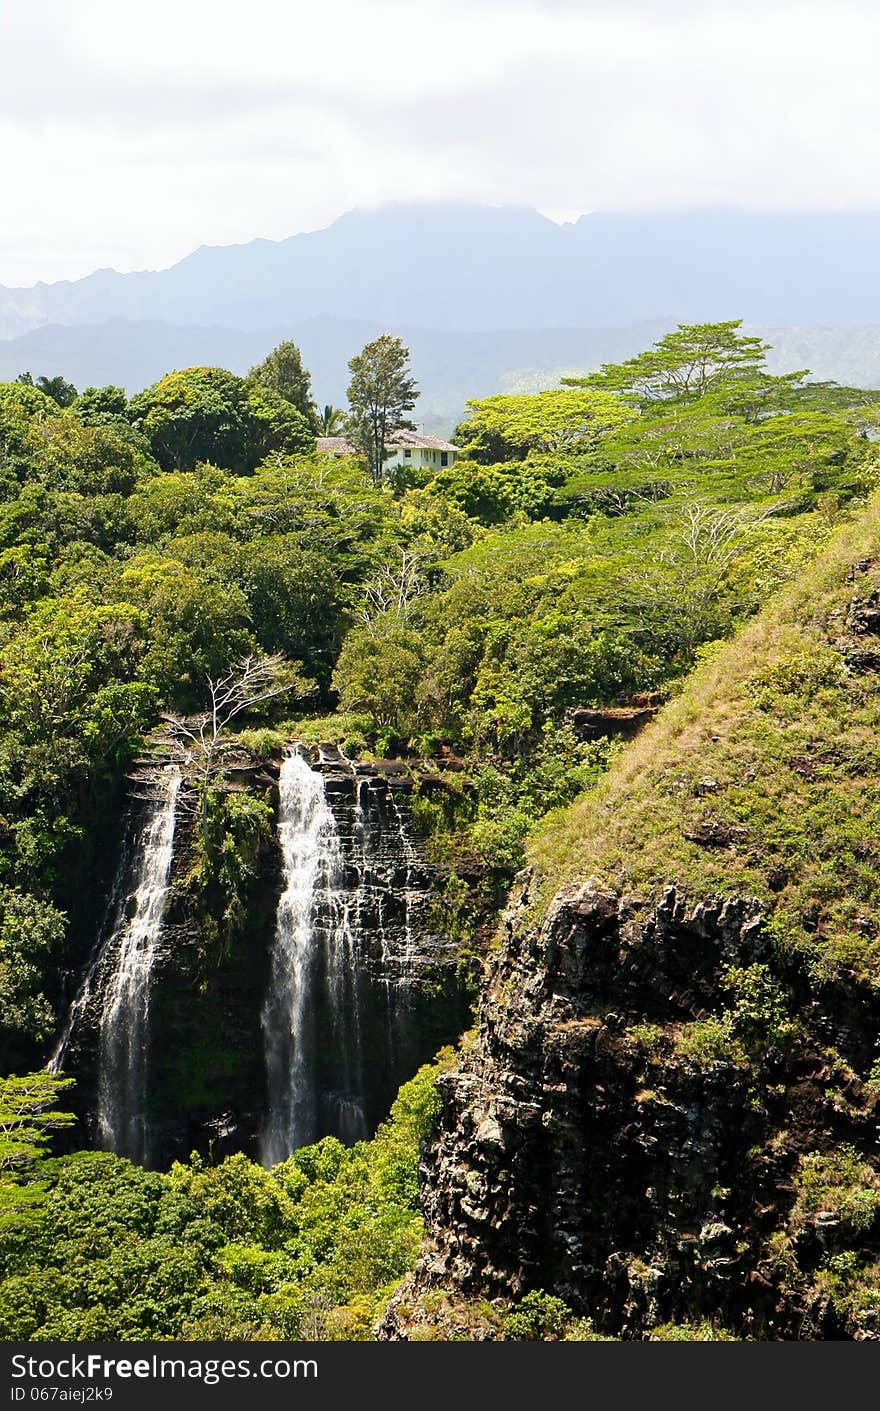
(365, 871)
(409, 854)
(125, 999)
(311, 1017)
(348, 1016)
(110, 926)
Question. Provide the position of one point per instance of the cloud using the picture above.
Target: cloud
(133, 133)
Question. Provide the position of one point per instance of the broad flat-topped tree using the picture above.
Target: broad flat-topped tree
(691, 361)
(504, 428)
(28, 1117)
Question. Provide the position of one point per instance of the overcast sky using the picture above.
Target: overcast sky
(131, 133)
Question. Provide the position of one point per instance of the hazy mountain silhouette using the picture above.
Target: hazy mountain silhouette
(449, 366)
(488, 298)
(487, 268)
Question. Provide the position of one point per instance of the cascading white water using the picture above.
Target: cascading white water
(125, 999)
(409, 854)
(313, 998)
(112, 921)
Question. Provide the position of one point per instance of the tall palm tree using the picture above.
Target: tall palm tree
(61, 391)
(330, 420)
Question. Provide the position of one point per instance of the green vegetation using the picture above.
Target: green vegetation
(841, 1184)
(509, 428)
(28, 1117)
(380, 394)
(537, 1317)
(168, 557)
(207, 414)
(310, 1249)
(792, 702)
(582, 552)
(283, 372)
(754, 1025)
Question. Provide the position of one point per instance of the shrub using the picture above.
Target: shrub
(536, 1317)
(840, 1182)
(711, 1040)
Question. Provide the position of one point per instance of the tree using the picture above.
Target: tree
(507, 428)
(379, 671)
(393, 592)
(66, 680)
(31, 932)
(250, 682)
(330, 421)
(693, 360)
(283, 372)
(102, 406)
(683, 595)
(92, 459)
(107, 407)
(62, 392)
(22, 411)
(297, 600)
(195, 624)
(275, 424)
(198, 414)
(28, 1115)
(380, 394)
(208, 414)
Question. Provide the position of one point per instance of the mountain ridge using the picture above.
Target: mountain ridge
(449, 366)
(479, 268)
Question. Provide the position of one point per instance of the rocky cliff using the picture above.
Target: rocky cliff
(668, 1110)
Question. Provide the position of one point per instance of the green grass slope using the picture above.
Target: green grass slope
(667, 1116)
(762, 778)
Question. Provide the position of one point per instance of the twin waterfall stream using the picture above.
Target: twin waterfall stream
(121, 975)
(123, 1096)
(339, 969)
(315, 953)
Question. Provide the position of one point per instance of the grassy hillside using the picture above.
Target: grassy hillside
(762, 777)
(667, 1116)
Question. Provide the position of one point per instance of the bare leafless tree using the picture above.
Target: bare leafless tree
(393, 591)
(712, 538)
(685, 584)
(202, 740)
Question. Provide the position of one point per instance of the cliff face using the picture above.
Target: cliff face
(668, 1110)
(585, 1149)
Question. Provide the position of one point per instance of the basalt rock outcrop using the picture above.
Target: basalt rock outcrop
(587, 1150)
(622, 722)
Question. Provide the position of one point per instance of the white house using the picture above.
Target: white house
(406, 448)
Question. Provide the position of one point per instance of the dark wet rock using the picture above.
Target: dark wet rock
(582, 1151)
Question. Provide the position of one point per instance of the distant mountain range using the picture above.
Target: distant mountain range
(449, 367)
(486, 297)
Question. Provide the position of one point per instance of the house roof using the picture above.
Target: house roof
(334, 445)
(417, 442)
(398, 441)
